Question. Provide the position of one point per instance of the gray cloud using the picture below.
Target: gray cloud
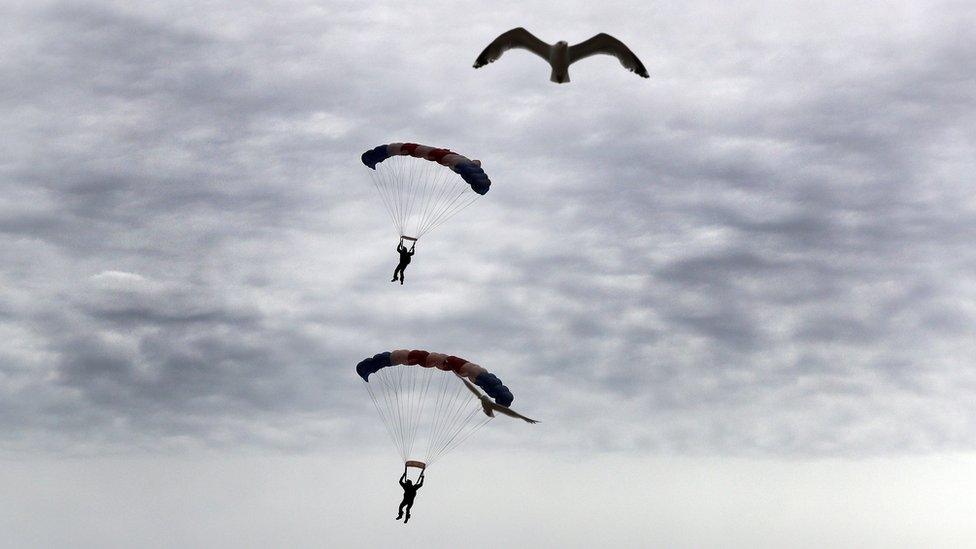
(765, 249)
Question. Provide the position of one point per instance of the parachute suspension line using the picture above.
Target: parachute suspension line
(441, 202)
(432, 182)
(470, 427)
(383, 417)
(445, 412)
(405, 405)
(422, 399)
(444, 217)
(470, 432)
(450, 432)
(390, 172)
(426, 406)
(386, 175)
(420, 195)
(409, 380)
(417, 180)
(440, 415)
(390, 385)
(429, 186)
(449, 415)
(403, 172)
(451, 412)
(460, 422)
(411, 174)
(416, 405)
(389, 417)
(436, 415)
(401, 400)
(406, 178)
(450, 187)
(425, 179)
(382, 188)
(466, 428)
(384, 179)
(453, 407)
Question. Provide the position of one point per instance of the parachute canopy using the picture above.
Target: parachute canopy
(425, 406)
(416, 189)
(488, 382)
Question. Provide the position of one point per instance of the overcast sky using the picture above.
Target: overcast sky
(757, 264)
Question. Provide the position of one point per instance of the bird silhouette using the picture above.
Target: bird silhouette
(561, 55)
(490, 406)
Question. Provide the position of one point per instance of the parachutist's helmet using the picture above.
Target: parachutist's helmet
(409, 482)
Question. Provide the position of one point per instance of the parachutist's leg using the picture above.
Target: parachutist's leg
(398, 272)
(400, 513)
(409, 505)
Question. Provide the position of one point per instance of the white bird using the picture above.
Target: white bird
(490, 406)
(561, 55)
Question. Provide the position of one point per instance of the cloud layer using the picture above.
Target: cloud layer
(765, 249)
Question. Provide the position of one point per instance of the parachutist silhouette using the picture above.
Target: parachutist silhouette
(409, 492)
(405, 256)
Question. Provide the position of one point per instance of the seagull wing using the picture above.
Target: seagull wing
(485, 402)
(470, 387)
(511, 413)
(515, 38)
(606, 44)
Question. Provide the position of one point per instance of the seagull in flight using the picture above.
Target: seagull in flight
(561, 55)
(489, 406)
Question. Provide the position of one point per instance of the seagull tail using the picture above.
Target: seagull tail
(559, 78)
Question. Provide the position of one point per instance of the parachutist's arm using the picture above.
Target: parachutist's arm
(404, 476)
